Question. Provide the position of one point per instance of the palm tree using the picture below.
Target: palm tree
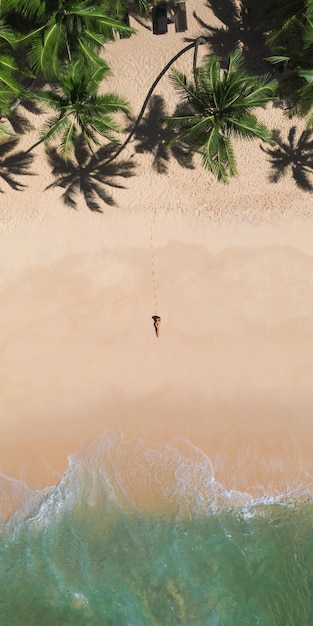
(220, 104)
(61, 31)
(79, 107)
(10, 87)
(286, 32)
(304, 94)
(292, 43)
(194, 44)
(11, 75)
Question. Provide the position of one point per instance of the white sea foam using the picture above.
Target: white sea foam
(123, 473)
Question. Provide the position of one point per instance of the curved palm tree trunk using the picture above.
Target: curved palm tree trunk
(195, 44)
(34, 146)
(198, 42)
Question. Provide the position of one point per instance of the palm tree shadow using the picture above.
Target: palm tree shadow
(143, 20)
(88, 174)
(20, 123)
(14, 164)
(153, 138)
(225, 38)
(291, 155)
(240, 25)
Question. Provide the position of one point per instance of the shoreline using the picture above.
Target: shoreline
(232, 368)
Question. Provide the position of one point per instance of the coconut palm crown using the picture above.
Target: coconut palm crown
(79, 107)
(220, 104)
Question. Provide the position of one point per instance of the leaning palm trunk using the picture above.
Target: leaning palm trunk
(220, 104)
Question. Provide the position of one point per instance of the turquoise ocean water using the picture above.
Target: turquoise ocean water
(84, 553)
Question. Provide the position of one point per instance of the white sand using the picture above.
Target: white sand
(233, 365)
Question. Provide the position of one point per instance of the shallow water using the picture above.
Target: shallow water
(89, 552)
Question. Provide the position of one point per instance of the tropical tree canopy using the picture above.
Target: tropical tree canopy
(61, 31)
(220, 104)
(79, 107)
(10, 70)
(292, 44)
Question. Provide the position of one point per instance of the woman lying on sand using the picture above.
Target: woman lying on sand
(156, 324)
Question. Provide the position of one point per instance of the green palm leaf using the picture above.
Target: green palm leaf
(248, 127)
(113, 103)
(221, 102)
(89, 55)
(54, 127)
(7, 35)
(30, 9)
(8, 69)
(106, 127)
(43, 53)
(68, 139)
(307, 75)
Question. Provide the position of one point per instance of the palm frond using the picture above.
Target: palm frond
(51, 98)
(43, 54)
(53, 127)
(278, 59)
(248, 127)
(30, 9)
(113, 103)
(185, 88)
(68, 139)
(30, 35)
(7, 35)
(307, 75)
(7, 77)
(260, 94)
(97, 75)
(219, 157)
(308, 33)
(89, 54)
(106, 127)
(97, 39)
(235, 64)
(105, 20)
(176, 122)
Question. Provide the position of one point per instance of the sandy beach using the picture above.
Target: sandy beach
(230, 267)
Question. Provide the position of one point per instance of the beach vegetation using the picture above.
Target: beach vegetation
(291, 41)
(52, 53)
(79, 108)
(11, 76)
(55, 45)
(60, 32)
(220, 104)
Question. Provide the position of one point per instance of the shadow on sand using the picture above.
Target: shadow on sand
(240, 26)
(297, 156)
(151, 137)
(89, 174)
(14, 164)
